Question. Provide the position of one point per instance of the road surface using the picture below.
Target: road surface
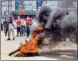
(11, 45)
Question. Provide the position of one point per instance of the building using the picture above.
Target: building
(25, 7)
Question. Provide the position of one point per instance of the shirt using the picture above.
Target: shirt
(11, 26)
(28, 22)
(18, 22)
(23, 22)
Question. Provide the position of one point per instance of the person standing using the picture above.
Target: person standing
(11, 28)
(6, 26)
(23, 22)
(28, 24)
(1, 22)
(18, 22)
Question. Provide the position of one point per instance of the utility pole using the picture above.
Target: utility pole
(0, 17)
(8, 7)
(1, 8)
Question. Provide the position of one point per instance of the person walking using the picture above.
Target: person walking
(11, 28)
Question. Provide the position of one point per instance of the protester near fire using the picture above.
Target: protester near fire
(11, 28)
(28, 24)
(23, 23)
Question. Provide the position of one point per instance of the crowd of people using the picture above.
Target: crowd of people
(22, 25)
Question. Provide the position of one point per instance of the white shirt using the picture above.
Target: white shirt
(23, 22)
(32, 28)
(15, 25)
(11, 26)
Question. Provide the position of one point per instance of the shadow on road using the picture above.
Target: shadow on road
(61, 54)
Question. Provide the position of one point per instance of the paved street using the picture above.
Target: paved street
(59, 54)
(9, 46)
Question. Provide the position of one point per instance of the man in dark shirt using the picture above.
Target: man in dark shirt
(6, 27)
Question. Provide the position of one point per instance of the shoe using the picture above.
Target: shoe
(8, 39)
(23, 34)
(13, 38)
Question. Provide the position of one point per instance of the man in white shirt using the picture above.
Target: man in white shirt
(23, 23)
(11, 28)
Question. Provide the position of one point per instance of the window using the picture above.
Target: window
(4, 3)
(7, 7)
(52, 4)
(13, 3)
(4, 9)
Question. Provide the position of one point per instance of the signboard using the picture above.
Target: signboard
(30, 5)
(52, 4)
(39, 3)
(19, 4)
(25, 5)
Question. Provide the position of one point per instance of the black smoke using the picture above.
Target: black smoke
(59, 24)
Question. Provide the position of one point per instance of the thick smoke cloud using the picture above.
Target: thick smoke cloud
(57, 21)
(70, 20)
(43, 15)
(55, 16)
